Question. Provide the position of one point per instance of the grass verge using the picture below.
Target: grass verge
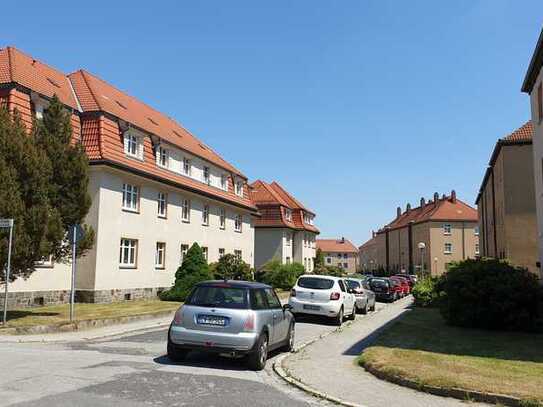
(58, 314)
(422, 348)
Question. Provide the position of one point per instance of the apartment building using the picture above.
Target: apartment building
(533, 86)
(285, 231)
(428, 237)
(367, 254)
(156, 188)
(339, 253)
(506, 202)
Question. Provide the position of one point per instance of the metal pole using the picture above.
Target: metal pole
(72, 294)
(8, 269)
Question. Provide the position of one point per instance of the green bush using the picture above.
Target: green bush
(426, 291)
(490, 294)
(193, 270)
(279, 275)
(330, 271)
(231, 267)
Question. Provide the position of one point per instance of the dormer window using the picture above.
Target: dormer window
(133, 146)
(186, 166)
(239, 188)
(163, 157)
(288, 214)
(207, 179)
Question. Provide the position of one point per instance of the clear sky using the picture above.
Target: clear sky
(356, 107)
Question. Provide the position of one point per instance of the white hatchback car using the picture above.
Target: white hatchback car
(323, 295)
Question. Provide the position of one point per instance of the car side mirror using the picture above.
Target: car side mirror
(287, 307)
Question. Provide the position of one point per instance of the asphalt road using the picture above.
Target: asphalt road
(134, 371)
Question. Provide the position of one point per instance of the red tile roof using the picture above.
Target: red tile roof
(522, 134)
(336, 246)
(97, 95)
(17, 67)
(447, 208)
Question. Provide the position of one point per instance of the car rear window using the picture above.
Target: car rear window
(376, 282)
(315, 283)
(353, 284)
(219, 297)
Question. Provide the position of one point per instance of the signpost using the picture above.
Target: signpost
(7, 223)
(77, 232)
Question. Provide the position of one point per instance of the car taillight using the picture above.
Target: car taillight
(249, 324)
(293, 293)
(334, 296)
(178, 317)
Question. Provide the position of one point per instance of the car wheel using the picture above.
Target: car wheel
(352, 317)
(373, 306)
(257, 359)
(289, 346)
(175, 355)
(366, 308)
(339, 317)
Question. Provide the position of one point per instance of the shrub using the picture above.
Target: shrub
(231, 267)
(426, 292)
(279, 275)
(193, 270)
(329, 271)
(490, 294)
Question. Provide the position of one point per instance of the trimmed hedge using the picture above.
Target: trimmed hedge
(279, 275)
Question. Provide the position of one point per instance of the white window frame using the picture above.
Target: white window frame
(288, 238)
(288, 214)
(448, 249)
(185, 210)
(224, 182)
(222, 218)
(187, 166)
(238, 223)
(163, 159)
(206, 175)
(238, 253)
(477, 249)
(222, 252)
(131, 197)
(447, 229)
(183, 249)
(160, 255)
(205, 215)
(131, 145)
(476, 230)
(162, 205)
(128, 253)
(239, 188)
(205, 251)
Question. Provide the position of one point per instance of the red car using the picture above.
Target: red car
(386, 289)
(404, 285)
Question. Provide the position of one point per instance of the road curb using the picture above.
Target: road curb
(456, 393)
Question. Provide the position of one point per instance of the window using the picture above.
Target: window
(206, 175)
(258, 300)
(448, 248)
(477, 248)
(345, 265)
(345, 255)
(237, 253)
(160, 255)
(329, 260)
(239, 188)
(163, 156)
(540, 102)
(288, 260)
(130, 197)
(342, 285)
(224, 182)
(185, 210)
(273, 301)
(128, 253)
(222, 252)
(205, 252)
(186, 166)
(446, 229)
(339, 255)
(205, 215)
(222, 218)
(162, 204)
(288, 238)
(238, 221)
(476, 230)
(131, 145)
(288, 214)
(184, 250)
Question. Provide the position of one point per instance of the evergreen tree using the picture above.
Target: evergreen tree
(232, 267)
(68, 180)
(193, 270)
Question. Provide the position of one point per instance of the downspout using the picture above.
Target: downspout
(494, 215)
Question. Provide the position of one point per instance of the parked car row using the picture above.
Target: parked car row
(391, 288)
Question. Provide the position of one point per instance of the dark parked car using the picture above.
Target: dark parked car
(386, 289)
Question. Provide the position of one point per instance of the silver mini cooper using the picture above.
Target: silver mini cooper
(237, 318)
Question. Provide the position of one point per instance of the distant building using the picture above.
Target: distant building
(286, 230)
(506, 202)
(367, 255)
(339, 253)
(533, 85)
(427, 237)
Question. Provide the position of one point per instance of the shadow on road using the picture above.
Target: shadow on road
(205, 360)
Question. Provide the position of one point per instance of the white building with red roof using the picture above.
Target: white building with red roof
(156, 188)
(339, 253)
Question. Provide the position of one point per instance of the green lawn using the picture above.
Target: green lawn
(421, 347)
(57, 314)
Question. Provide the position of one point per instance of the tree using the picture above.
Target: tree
(319, 258)
(193, 270)
(232, 267)
(69, 177)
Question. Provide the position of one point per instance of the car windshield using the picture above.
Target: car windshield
(353, 284)
(315, 283)
(377, 282)
(219, 297)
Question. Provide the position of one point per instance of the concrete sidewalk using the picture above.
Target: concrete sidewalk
(103, 332)
(329, 366)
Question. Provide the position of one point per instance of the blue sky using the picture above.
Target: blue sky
(356, 107)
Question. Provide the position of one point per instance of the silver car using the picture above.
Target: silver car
(365, 298)
(237, 318)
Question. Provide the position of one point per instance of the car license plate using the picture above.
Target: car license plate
(211, 320)
(312, 307)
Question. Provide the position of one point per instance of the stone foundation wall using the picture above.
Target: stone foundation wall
(28, 299)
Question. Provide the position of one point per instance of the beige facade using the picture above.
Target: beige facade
(346, 261)
(286, 245)
(506, 202)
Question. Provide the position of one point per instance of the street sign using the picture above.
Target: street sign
(79, 233)
(6, 223)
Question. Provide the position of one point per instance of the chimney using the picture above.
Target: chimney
(342, 239)
(408, 208)
(398, 212)
(436, 197)
(422, 202)
(453, 196)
